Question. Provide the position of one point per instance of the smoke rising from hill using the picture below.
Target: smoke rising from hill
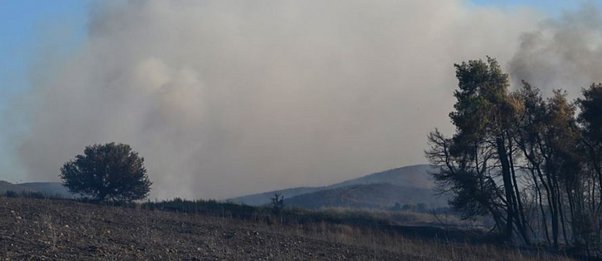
(224, 98)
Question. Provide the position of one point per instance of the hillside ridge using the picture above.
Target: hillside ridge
(412, 176)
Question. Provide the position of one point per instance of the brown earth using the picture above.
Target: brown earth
(43, 229)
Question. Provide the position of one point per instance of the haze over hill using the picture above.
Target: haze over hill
(229, 97)
(405, 185)
(371, 196)
(46, 188)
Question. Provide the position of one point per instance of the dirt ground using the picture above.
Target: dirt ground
(44, 229)
(49, 229)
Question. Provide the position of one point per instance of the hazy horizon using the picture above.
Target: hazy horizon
(226, 98)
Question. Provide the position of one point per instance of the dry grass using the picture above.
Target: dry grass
(43, 229)
(423, 249)
(413, 218)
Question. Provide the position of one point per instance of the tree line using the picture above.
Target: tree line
(532, 164)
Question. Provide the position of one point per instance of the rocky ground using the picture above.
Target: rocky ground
(43, 229)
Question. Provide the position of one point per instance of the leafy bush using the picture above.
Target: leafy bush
(109, 172)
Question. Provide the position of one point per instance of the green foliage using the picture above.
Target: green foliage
(108, 172)
(481, 104)
(591, 111)
(527, 162)
(482, 88)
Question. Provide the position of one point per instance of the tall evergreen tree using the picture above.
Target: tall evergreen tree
(479, 156)
(527, 162)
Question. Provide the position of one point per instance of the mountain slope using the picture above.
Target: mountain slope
(374, 195)
(416, 176)
(264, 198)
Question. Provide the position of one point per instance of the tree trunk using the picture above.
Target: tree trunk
(508, 188)
(521, 220)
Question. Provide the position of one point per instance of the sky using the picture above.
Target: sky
(50, 49)
(24, 32)
(554, 7)
(25, 22)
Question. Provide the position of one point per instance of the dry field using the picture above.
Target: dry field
(44, 229)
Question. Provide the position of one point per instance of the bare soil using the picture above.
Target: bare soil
(51, 229)
(44, 229)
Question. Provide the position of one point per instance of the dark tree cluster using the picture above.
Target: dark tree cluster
(533, 164)
(108, 172)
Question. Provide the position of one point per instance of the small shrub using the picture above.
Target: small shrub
(277, 203)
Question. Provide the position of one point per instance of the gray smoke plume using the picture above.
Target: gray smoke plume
(224, 98)
(563, 53)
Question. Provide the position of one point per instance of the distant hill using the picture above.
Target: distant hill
(416, 176)
(264, 198)
(46, 188)
(374, 195)
(405, 185)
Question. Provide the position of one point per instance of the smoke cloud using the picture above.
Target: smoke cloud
(562, 53)
(224, 98)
